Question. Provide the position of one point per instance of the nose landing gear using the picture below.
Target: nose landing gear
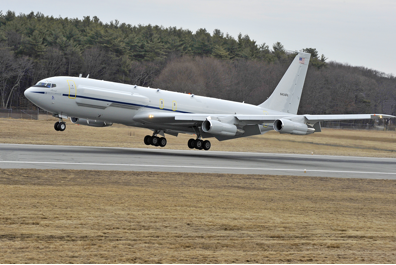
(60, 125)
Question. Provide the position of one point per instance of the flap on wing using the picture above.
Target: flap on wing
(169, 117)
(154, 117)
(192, 117)
(258, 119)
(341, 117)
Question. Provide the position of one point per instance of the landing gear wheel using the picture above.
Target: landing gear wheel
(191, 143)
(162, 141)
(155, 141)
(199, 144)
(56, 126)
(147, 139)
(206, 145)
(62, 126)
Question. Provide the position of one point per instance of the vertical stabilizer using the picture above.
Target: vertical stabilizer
(287, 94)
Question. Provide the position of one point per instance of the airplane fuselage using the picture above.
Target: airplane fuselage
(120, 103)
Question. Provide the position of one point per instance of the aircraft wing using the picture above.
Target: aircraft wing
(258, 119)
(187, 118)
(340, 117)
(190, 119)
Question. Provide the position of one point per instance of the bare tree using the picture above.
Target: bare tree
(216, 74)
(12, 71)
(54, 62)
(7, 69)
(181, 75)
(94, 62)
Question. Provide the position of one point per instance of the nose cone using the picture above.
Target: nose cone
(31, 95)
(28, 93)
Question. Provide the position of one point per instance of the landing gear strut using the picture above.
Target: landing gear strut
(155, 140)
(60, 125)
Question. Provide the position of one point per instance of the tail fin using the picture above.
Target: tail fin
(287, 94)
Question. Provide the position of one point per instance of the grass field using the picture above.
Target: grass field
(66, 216)
(329, 142)
(76, 216)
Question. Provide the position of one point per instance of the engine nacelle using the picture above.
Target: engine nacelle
(90, 122)
(287, 126)
(221, 128)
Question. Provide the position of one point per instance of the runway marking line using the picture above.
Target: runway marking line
(208, 167)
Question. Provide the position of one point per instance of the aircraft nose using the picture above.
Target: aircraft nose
(28, 92)
(30, 95)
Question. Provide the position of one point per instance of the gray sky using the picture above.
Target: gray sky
(357, 32)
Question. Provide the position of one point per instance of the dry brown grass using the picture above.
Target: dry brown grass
(66, 216)
(330, 141)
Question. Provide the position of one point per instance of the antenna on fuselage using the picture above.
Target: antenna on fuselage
(88, 76)
(80, 76)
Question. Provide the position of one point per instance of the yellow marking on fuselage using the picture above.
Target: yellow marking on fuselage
(73, 84)
(162, 103)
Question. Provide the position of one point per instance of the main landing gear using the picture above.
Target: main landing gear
(155, 140)
(199, 144)
(60, 125)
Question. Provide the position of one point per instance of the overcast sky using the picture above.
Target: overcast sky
(357, 32)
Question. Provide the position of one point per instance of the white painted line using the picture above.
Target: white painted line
(201, 167)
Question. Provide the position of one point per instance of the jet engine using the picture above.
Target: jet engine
(288, 126)
(93, 123)
(221, 128)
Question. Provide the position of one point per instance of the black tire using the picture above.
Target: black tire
(199, 144)
(147, 140)
(162, 141)
(191, 143)
(155, 141)
(56, 126)
(62, 126)
(206, 145)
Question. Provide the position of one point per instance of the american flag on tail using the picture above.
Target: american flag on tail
(302, 60)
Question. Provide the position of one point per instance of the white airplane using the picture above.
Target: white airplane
(100, 103)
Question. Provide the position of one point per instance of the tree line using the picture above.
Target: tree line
(34, 46)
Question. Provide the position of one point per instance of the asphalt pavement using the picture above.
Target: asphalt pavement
(167, 160)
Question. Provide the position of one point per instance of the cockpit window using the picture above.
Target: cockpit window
(43, 84)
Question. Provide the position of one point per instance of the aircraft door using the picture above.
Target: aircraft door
(72, 89)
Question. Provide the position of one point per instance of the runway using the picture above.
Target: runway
(167, 160)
